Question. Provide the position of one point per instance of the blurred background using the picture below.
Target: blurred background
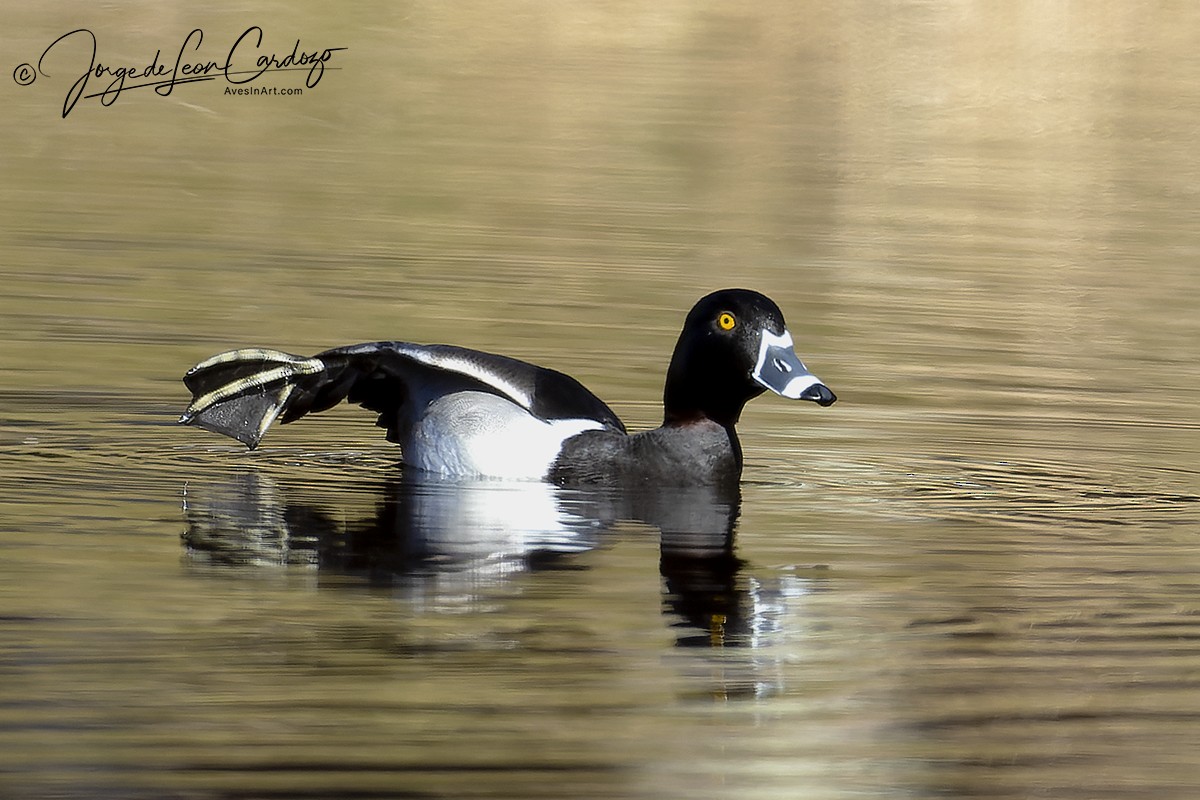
(974, 576)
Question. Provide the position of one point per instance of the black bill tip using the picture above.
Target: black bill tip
(820, 394)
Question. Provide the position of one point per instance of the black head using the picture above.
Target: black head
(734, 345)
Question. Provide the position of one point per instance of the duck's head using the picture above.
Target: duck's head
(735, 345)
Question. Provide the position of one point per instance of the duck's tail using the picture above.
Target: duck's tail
(241, 392)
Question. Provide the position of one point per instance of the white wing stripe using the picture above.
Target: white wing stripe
(472, 369)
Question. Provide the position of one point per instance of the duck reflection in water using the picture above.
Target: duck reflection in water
(441, 543)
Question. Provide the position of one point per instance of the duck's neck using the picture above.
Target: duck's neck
(691, 396)
(676, 414)
(694, 395)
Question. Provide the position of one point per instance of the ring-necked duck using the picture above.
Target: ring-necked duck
(462, 412)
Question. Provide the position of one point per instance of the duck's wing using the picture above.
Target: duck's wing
(241, 392)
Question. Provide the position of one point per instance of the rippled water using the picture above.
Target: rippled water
(974, 576)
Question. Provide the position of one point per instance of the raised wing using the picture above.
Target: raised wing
(241, 392)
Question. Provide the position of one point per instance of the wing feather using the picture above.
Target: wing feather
(239, 393)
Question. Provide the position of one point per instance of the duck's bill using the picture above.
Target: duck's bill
(781, 370)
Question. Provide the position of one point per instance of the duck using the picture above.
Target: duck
(463, 413)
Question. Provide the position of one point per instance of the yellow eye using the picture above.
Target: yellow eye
(726, 321)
